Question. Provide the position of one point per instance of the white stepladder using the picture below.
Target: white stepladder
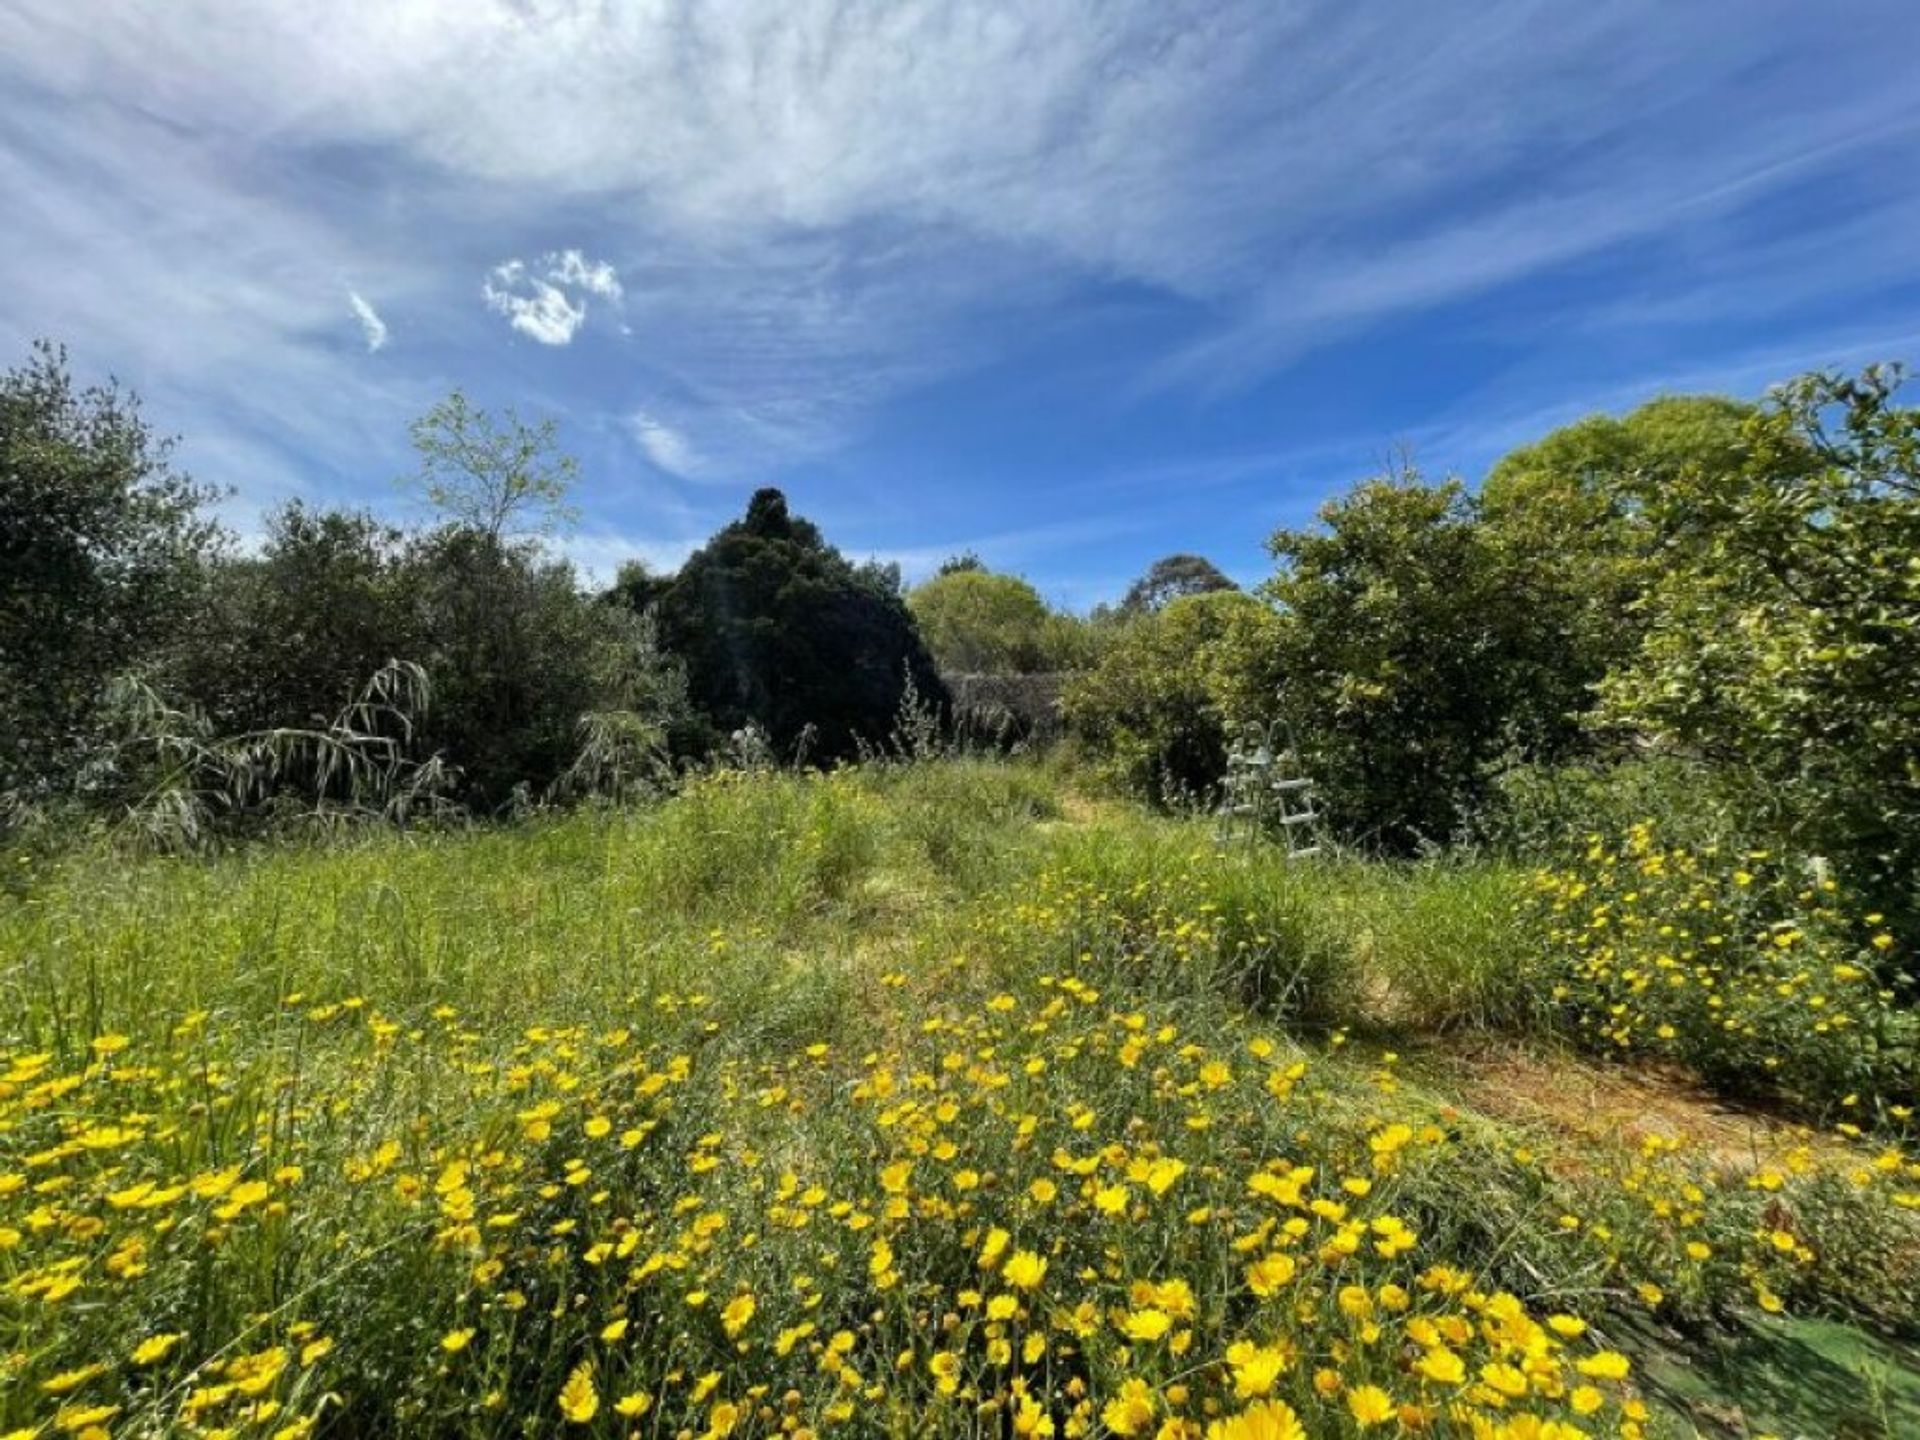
(1268, 794)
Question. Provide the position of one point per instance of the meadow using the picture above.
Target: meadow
(943, 1099)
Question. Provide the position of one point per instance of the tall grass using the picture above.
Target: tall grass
(736, 1108)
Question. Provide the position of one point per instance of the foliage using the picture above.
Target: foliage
(978, 623)
(1170, 577)
(636, 587)
(1783, 628)
(1009, 709)
(627, 752)
(493, 474)
(1738, 964)
(517, 657)
(1398, 661)
(100, 547)
(171, 782)
(1149, 710)
(1545, 813)
(779, 1124)
(283, 637)
(777, 628)
(1566, 521)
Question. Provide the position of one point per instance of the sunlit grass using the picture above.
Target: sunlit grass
(875, 1103)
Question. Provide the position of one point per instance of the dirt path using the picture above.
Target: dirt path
(1599, 1103)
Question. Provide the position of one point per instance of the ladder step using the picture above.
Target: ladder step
(1290, 784)
(1305, 817)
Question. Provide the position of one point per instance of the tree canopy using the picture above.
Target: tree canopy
(1170, 577)
(777, 628)
(977, 622)
(102, 546)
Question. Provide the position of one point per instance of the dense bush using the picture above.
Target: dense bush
(1565, 521)
(1783, 625)
(101, 549)
(778, 629)
(1401, 663)
(1150, 711)
(284, 636)
(977, 622)
(1746, 966)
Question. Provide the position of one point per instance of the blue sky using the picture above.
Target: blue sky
(1071, 283)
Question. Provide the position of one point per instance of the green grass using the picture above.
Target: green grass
(575, 1085)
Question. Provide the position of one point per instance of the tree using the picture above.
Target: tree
(1170, 577)
(960, 564)
(516, 655)
(1566, 517)
(285, 637)
(1150, 711)
(635, 587)
(1782, 623)
(976, 622)
(496, 475)
(1397, 660)
(777, 628)
(101, 549)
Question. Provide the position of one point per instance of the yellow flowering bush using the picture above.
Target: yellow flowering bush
(1741, 965)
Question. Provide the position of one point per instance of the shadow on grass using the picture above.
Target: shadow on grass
(1789, 1378)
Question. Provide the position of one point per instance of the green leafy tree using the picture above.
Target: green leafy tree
(1566, 520)
(1397, 659)
(1150, 711)
(1170, 577)
(493, 474)
(976, 622)
(1782, 625)
(285, 637)
(102, 545)
(516, 655)
(776, 627)
(635, 587)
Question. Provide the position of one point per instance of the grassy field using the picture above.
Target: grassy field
(917, 1100)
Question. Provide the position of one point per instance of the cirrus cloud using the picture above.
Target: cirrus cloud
(371, 325)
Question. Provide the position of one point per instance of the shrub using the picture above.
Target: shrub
(1783, 629)
(1150, 711)
(1738, 964)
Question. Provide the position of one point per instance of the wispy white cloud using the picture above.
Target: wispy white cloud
(596, 277)
(546, 301)
(371, 325)
(665, 447)
(806, 210)
(533, 307)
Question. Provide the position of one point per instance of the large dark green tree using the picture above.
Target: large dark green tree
(777, 628)
(102, 544)
(1170, 577)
